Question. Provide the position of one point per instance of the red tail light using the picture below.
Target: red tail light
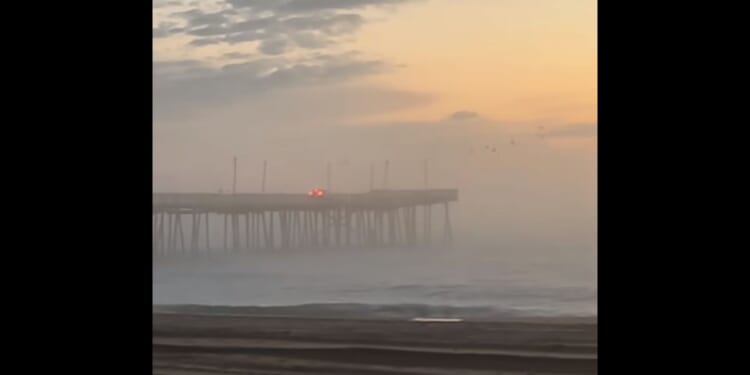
(316, 192)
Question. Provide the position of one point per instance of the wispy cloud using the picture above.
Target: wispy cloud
(185, 86)
(463, 115)
(307, 24)
(272, 45)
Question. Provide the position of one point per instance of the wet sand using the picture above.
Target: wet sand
(193, 343)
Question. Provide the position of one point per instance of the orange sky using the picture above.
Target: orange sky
(519, 64)
(511, 60)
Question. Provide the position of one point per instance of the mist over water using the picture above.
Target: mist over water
(501, 106)
(524, 228)
(534, 281)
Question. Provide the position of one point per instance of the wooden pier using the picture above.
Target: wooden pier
(376, 219)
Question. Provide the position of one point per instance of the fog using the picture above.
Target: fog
(524, 223)
(292, 85)
(534, 190)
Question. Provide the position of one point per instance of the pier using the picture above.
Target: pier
(264, 221)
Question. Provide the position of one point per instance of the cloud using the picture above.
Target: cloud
(182, 69)
(237, 55)
(300, 6)
(273, 46)
(200, 19)
(314, 23)
(186, 86)
(292, 40)
(159, 33)
(310, 40)
(204, 42)
(164, 30)
(326, 28)
(463, 115)
(165, 3)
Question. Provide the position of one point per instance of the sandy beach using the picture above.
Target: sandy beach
(198, 343)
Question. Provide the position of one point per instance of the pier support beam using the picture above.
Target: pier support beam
(381, 218)
(447, 231)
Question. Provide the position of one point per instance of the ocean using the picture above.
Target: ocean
(534, 282)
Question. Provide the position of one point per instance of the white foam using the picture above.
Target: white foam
(440, 320)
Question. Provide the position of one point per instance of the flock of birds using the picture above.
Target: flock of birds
(513, 142)
(487, 148)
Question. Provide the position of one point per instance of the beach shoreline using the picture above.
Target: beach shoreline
(207, 341)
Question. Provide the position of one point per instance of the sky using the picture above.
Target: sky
(498, 96)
